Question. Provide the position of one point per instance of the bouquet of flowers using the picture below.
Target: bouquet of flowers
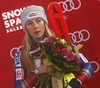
(59, 54)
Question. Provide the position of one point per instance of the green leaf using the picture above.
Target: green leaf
(74, 69)
(47, 61)
(66, 64)
(71, 66)
(57, 67)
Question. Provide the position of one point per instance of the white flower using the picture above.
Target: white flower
(63, 41)
(54, 42)
(41, 41)
(65, 56)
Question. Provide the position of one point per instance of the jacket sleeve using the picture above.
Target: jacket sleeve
(87, 70)
(21, 80)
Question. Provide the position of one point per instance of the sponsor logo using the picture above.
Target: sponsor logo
(94, 62)
(59, 24)
(55, 11)
(17, 59)
(69, 5)
(32, 15)
(11, 20)
(14, 50)
(79, 36)
(19, 74)
(83, 58)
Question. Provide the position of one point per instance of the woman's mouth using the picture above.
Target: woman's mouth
(37, 32)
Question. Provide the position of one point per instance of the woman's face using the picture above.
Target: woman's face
(35, 28)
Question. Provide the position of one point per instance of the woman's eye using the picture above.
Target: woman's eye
(29, 23)
(38, 20)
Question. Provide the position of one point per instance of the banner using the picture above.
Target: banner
(82, 19)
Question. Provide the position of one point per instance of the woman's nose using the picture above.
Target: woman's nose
(35, 25)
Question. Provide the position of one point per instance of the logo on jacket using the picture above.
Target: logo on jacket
(19, 74)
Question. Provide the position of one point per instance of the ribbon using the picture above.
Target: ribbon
(77, 48)
(57, 79)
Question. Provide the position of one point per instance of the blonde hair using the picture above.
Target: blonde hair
(29, 61)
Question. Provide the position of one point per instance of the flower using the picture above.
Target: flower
(70, 56)
(58, 51)
(59, 46)
(63, 41)
(77, 60)
(47, 40)
(61, 55)
(64, 52)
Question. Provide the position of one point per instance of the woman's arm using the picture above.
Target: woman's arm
(21, 80)
(87, 69)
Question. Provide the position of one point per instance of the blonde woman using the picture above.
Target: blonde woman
(28, 61)
(28, 64)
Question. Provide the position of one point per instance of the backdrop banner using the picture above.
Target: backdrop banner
(82, 19)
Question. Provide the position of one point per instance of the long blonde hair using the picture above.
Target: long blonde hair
(29, 62)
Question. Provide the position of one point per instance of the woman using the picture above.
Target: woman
(34, 23)
(28, 61)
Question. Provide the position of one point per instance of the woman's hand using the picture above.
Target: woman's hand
(45, 68)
